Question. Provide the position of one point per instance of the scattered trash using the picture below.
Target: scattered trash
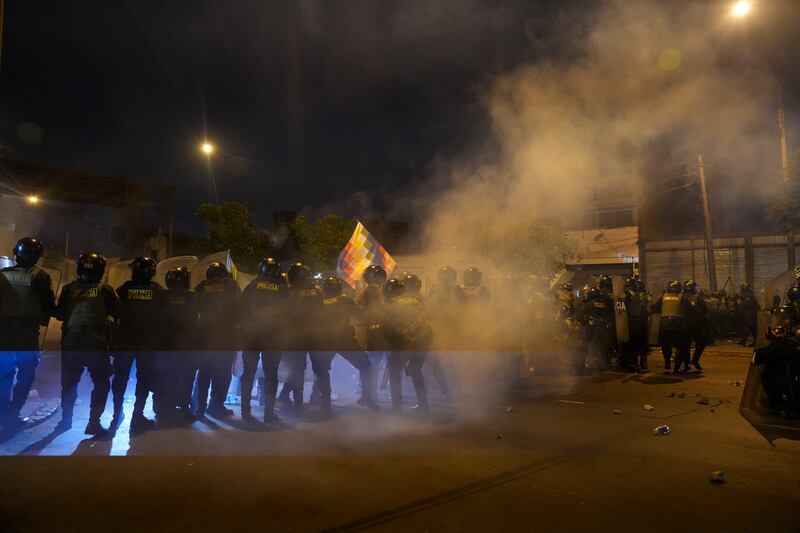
(704, 401)
(509, 409)
(737, 383)
(671, 395)
(617, 411)
(681, 395)
(660, 431)
(571, 401)
(648, 407)
(718, 476)
(499, 436)
(191, 464)
(33, 394)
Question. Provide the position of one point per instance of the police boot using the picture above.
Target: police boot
(116, 420)
(139, 423)
(369, 403)
(246, 412)
(95, 428)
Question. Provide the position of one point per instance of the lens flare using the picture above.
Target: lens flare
(740, 9)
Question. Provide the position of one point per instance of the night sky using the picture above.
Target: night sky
(321, 105)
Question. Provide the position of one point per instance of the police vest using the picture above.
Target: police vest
(671, 306)
(87, 306)
(18, 298)
(566, 297)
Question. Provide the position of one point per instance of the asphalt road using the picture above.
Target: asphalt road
(565, 462)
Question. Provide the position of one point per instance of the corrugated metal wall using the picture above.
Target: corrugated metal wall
(663, 261)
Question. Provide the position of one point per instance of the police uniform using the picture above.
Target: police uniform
(26, 302)
(597, 317)
(673, 331)
(638, 310)
(339, 337)
(218, 300)
(409, 335)
(139, 321)
(84, 308)
(305, 308)
(179, 338)
(747, 308)
(698, 326)
(264, 334)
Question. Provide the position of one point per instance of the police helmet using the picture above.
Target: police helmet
(412, 283)
(566, 287)
(178, 278)
(331, 287)
(785, 315)
(472, 277)
(393, 288)
(594, 293)
(374, 275)
(90, 267)
(269, 268)
(777, 333)
(299, 275)
(674, 287)
(605, 283)
(216, 270)
(631, 284)
(690, 286)
(143, 268)
(28, 251)
(745, 289)
(793, 293)
(447, 276)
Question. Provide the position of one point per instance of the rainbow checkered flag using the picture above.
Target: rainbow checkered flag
(361, 251)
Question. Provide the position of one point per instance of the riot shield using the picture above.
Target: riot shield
(199, 269)
(762, 323)
(620, 311)
(652, 333)
(118, 273)
(188, 261)
(754, 409)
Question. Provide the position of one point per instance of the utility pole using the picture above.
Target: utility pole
(712, 266)
(784, 147)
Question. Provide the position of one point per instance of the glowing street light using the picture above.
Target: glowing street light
(32, 199)
(740, 9)
(207, 148)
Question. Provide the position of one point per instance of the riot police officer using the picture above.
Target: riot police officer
(84, 307)
(304, 315)
(338, 336)
(413, 285)
(673, 330)
(781, 372)
(638, 310)
(218, 300)
(747, 308)
(597, 319)
(697, 321)
(445, 301)
(180, 338)
(26, 302)
(264, 327)
(566, 298)
(370, 303)
(139, 319)
(472, 287)
(408, 334)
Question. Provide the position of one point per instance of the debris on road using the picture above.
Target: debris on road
(617, 411)
(509, 409)
(681, 395)
(737, 383)
(704, 401)
(191, 464)
(648, 407)
(499, 436)
(718, 476)
(712, 410)
(661, 431)
(671, 395)
(572, 401)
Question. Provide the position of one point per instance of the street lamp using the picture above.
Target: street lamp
(207, 148)
(32, 199)
(740, 9)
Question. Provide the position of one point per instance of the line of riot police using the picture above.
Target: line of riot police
(183, 340)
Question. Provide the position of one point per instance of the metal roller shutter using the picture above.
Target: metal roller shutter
(664, 266)
(768, 263)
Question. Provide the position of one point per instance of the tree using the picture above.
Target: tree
(526, 246)
(785, 210)
(230, 227)
(321, 241)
